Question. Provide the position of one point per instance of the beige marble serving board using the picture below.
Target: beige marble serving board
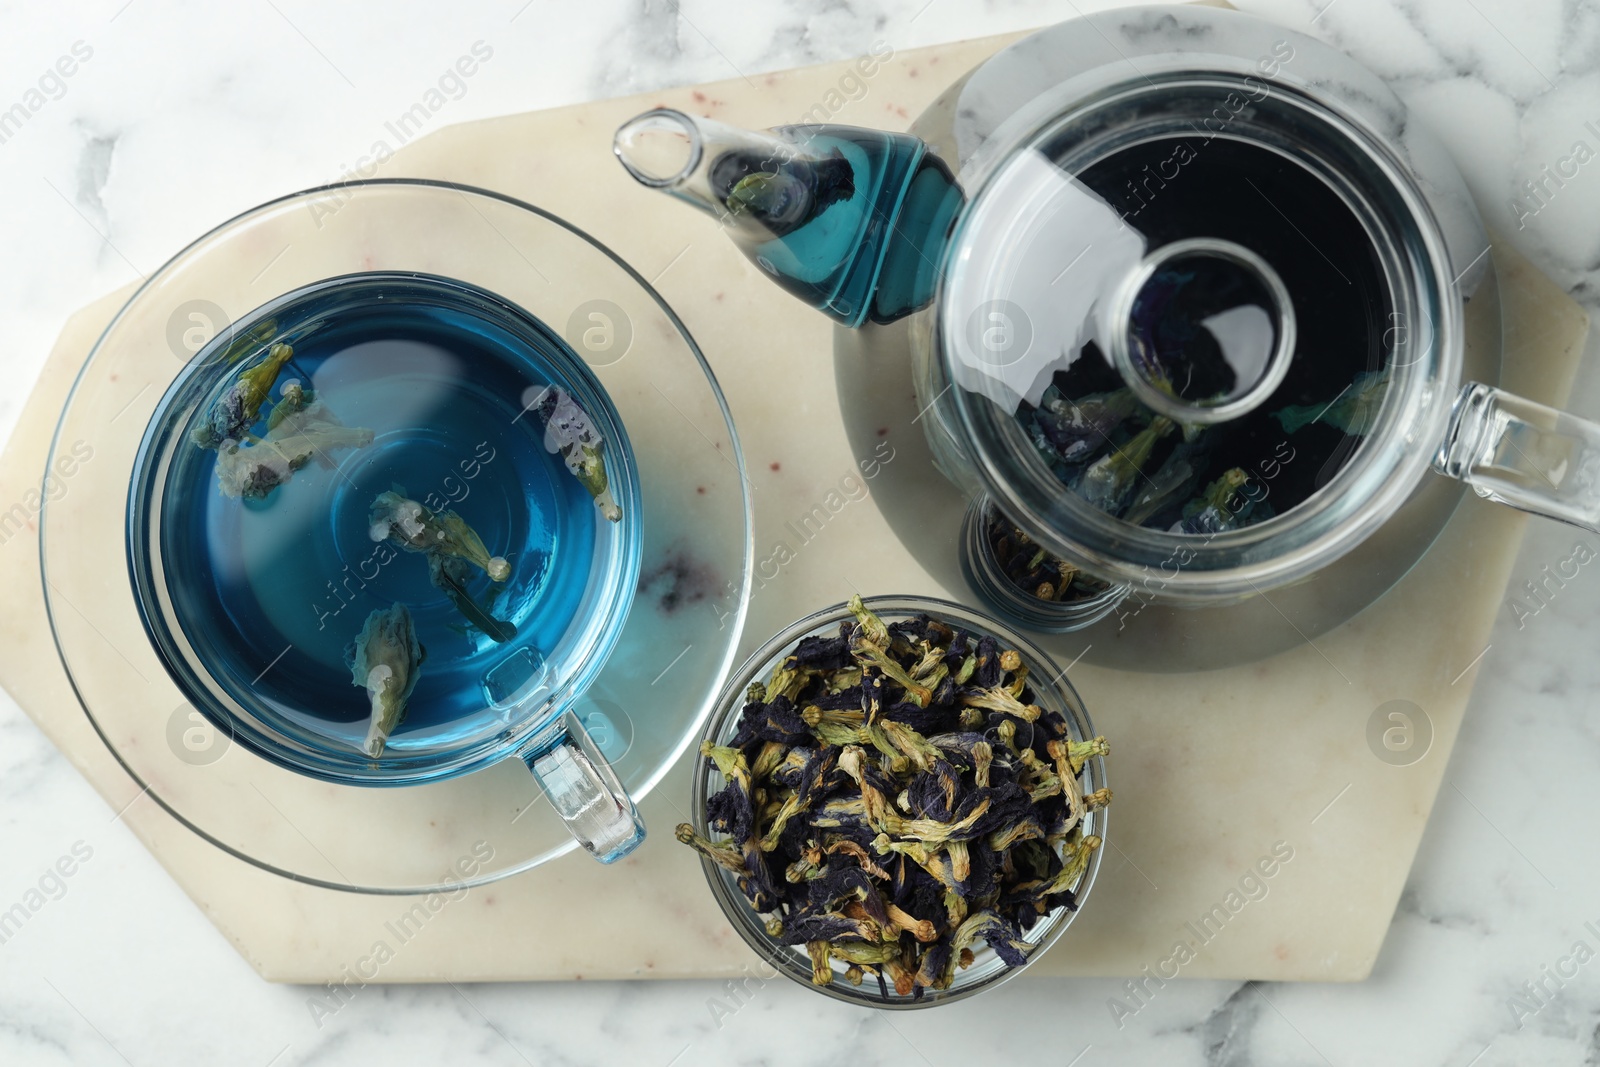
(1211, 772)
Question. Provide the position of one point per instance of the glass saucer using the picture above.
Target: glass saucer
(650, 700)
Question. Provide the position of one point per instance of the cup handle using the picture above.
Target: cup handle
(1518, 452)
(586, 794)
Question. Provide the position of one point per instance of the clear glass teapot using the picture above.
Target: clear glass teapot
(1193, 301)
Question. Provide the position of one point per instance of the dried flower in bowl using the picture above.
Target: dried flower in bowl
(894, 795)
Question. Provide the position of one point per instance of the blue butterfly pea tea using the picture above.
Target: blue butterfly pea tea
(389, 505)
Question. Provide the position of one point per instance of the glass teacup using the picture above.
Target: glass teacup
(385, 529)
(523, 301)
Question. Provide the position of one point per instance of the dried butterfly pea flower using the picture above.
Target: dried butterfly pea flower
(1001, 936)
(788, 772)
(858, 852)
(821, 962)
(729, 859)
(777, 720)
(864, 952)
(729, 811)
(824, 927)
(812, 785)
(870, 655)
(1000, 698)
(869, 628)
(823, 653)
(1080, 752)
(904, 829)
(898, 970)
(931, 969)
(772, 753)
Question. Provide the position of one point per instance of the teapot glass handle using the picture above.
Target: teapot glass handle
(1524, 454)
(586, 794)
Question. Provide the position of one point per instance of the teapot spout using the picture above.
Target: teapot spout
(674, 152)
(852, 221)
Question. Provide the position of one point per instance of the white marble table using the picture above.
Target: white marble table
(177, 116)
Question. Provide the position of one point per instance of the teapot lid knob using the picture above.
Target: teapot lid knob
(1202, 330)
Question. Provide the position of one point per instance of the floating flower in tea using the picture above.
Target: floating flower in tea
(450, 574)
(293, 399)
(298, 429)
(570, 433)
(891, 830)
(1162, 494)
(452, 548)
(237, 409)
(386, 659)
(246, 342)
(415, 527)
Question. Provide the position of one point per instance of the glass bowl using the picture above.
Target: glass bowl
(1051, 691)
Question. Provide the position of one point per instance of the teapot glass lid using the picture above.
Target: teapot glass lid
(1191, 324)
(687, 519)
